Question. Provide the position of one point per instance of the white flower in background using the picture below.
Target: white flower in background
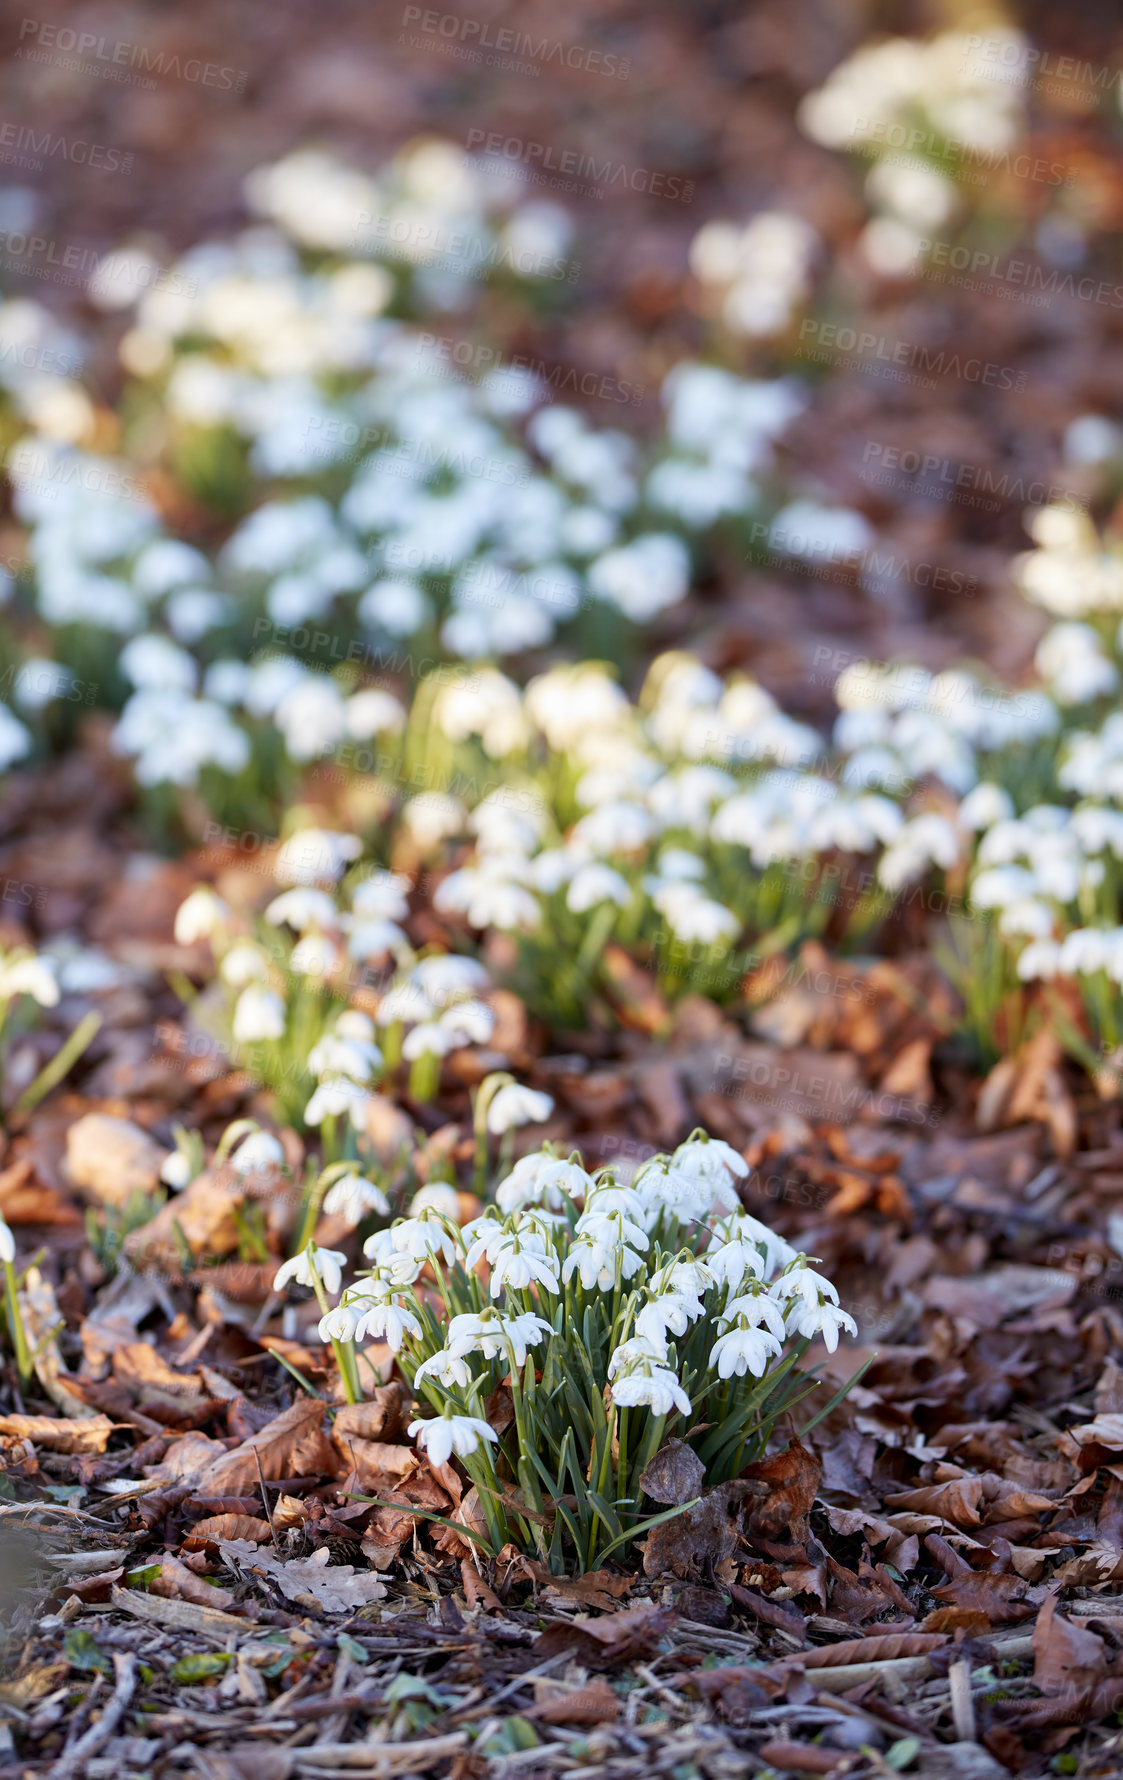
(595, 884)
(467, 1023)
(802, 1283)
(302, 1270)
(355, 1058)
(542, 1179)
(259, 1015)
(243, 963)
(201, 915)
(985, 806)
(429, 1039)
(1071, 660)
(259, 1153)
(353, 1197)
(7, 1243)
(446, 1434)
(23, 973)
(301, 909)
(513, 1105)
(1040, 961)
(383, 896)
(15, 738)
(334, 1096)
(175, 1171)
(315, 856)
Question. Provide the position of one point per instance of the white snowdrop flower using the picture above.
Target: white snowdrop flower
(202, 914)
(652, 1387)
(495, 1336)
(598, 1257)
(339, 1324)
(175, 1171)
(731, 1262)
(505, 906)
(638, 1350)
(385, 1318)
(619, 827)
(482, 1238)
(680, 1192)
(301, 909)
(446, 977)
(333, 1097)
(446, 1434)
(373, 712)
(314, 955)
(513, 1105)
(433, 817)
(552, 869)
(394, 1271)
(259, 1015)
(984, 806)
(353, 1197)
(601, 1225)
(1026, 918)
(753, 1309)
(743, 1350)
(243, 963)
(697, 920)
(226, 682)
(1071, 659)
(821, 1319)
(259, 1153)
(1040, 961)
(370, 939)
(595, 884)
(712, 1162)
(423, 1238)
(1084, 951)
(518, 1262)
(7, 1243)
(448, 1368)
(156, 662)
(542, 1179)
(315, 855)
(803, 1283)
(383, 896)
(429, 1039)
(311, 717)
(644, 577)
(439, 1197)
(334, 1055)
(468, 1023)
(328, 1263)
(15, 738)
(744, 1228)
(395, 605)
(23, 973)
(672, 1311)
(925, 841)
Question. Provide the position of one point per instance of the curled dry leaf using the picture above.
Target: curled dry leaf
(293, 1444)
(226, 1526)
(90, 1434)
(675, 1475)
(337, 1588)
(602, 1643)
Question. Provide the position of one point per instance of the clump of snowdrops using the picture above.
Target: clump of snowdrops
(557, 1340)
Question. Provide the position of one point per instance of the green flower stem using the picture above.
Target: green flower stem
(596, 938)
(64, 1059)
(15, 1324)
(486, 1092)
(425, 1077)
(344, 1350)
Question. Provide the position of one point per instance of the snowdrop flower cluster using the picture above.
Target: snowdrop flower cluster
(756, 277)
(929, 116)
(588, 1297)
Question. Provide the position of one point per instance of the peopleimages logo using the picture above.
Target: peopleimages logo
(113, 57)
(22, 146)
(475, 36)
(539, 158)
(903, 359)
